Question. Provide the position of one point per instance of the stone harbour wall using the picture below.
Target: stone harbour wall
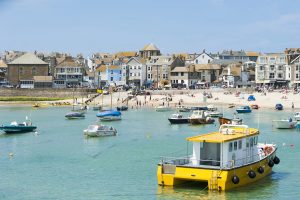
(49, 92)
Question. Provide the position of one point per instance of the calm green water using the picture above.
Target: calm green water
(59, 163)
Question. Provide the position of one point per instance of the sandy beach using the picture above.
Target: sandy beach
(196, 98)
(174, 98)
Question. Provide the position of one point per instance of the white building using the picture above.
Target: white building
(134, 72)
(271, 69)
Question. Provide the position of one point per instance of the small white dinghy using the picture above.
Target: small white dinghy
(284, 123)
(95, 130)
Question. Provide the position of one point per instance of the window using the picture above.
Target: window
(272, 67)
(230, 147)
(139, 74)
(131, 74)
(111, 72)
(235, 145)
(130, 67)
(120, 72)
(255, 140)
(134, 67)
(240, 144)
(251, 142)
(182, 73)
(33, 71)
(21, 70)
(297, 76)
(139, 67)
(111, 78)
(271, 75)
(261, 68)
(148, 76)
(247, 142)
(280, 67)
(279, 75)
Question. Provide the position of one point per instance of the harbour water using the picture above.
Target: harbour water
(58, 162)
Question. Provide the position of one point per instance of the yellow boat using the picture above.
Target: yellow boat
(224, 160)
(37, 105)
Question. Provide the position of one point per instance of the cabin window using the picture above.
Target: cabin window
(247, 142)
(230, 147)
(240, 144)
(251, 142)
(255, 140)
(235, 145)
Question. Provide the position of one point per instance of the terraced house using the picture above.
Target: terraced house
(159, 70)
(134, 72)
(68, 73)
(293, 59)
(272, 70)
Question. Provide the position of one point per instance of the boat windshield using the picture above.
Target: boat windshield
(93, 127)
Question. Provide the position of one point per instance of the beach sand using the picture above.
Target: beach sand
(187, 98)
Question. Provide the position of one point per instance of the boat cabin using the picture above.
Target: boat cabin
(232, 146)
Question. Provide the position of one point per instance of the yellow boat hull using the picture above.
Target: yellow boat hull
(217, 179)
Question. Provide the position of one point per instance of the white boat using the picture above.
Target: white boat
(162, 108)
(212, 111)
(198, 117)
(297, 116)
(183, 109)
(99, 130)
(284, 123)
(213, 114)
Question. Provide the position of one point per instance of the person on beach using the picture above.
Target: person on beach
(292, 105)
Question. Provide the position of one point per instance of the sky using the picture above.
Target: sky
(174, 26)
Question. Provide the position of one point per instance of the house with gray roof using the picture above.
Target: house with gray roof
(159, 69)
(22, 70)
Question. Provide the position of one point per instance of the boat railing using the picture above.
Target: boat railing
(233, 128)
(211, 163)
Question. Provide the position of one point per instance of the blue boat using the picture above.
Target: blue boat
(109, 115)
(243, 109)
(75, 115)
(279, 106)
(15, 127)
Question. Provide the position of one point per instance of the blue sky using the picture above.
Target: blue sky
(86, 26)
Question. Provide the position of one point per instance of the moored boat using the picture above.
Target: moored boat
(198, 117)
(122, 108)
(243, 109)
(109, 115)
(178, 119)
(75, 115)
(96, 130)
(226, 159)
(16, 127)
(223, 120)
(199, 108)
(279, 106)
(162, 108)
(284, 123)
(183, 109)
(254, 106)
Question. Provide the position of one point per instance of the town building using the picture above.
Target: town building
(68, 73)
(233, 55)
(134, 72)
(159, 70)
(272, 70)
(22, 70)
(3, 72)
(148, 51)
(293, 60)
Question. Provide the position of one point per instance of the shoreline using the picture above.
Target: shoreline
(185, 97)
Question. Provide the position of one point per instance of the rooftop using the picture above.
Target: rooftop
(28, 59)
(150, 47)
(217, 137)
